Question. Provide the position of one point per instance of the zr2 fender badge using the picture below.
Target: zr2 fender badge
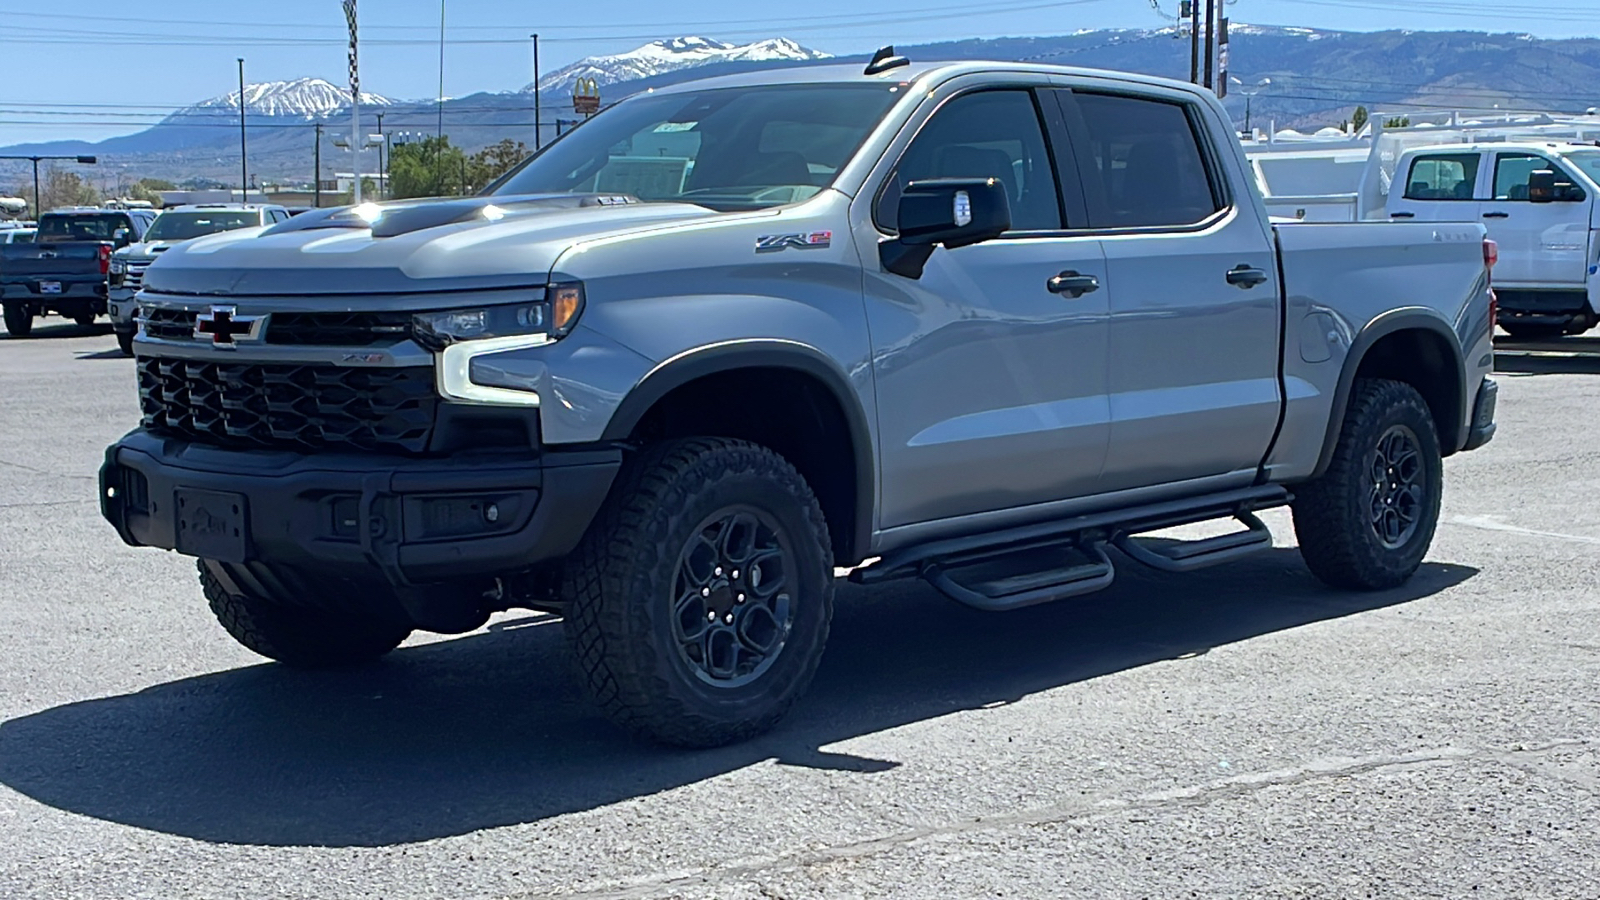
(772, 243)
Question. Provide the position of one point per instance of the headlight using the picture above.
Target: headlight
(554, 316)
(118, 266)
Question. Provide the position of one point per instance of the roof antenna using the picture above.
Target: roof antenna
(884, 60)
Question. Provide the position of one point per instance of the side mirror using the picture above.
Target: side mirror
(121, 237)
(1542, 186)
(953, 212)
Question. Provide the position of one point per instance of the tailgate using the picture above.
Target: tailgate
(28, 262)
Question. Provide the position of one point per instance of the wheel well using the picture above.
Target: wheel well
(1422, 359)
(786, 410)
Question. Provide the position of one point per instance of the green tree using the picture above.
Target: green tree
(1400, 122)
(1359, 119)
(150, 189)
(493, 161)
(430, 167)
(59, 187)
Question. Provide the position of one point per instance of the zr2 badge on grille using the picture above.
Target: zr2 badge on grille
(772, 243)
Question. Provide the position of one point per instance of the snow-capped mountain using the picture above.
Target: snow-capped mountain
(658, 57)
(306, 98)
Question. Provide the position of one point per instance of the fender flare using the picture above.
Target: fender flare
(1411, 318)
(766, 354)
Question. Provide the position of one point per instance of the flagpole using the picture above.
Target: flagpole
(355, 104)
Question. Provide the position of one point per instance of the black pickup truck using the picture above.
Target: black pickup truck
(65, 270)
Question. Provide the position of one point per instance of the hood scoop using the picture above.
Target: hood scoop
(406, 216)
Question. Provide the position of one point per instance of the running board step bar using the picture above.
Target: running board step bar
(1187, 556)
(1023, 577)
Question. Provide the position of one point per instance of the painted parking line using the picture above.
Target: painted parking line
(1493, 523)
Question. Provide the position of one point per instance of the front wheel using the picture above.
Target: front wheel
(19, 321)
(305, 637)
(699, 602)
(125, 342)
(1369, 520)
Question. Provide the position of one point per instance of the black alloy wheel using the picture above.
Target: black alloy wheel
(734, 607)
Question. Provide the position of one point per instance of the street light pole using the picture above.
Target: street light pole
(85, 160)
(244, 160)
(383, 172)
(538, 130)
(1250, 92)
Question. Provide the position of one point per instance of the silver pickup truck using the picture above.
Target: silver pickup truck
(986, 324)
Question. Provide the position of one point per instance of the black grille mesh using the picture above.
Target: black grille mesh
(344, 329)
(289, 406)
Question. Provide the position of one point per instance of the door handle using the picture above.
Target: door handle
(1497, 215)
(1246, 277)
(1402, 215)
(1073, 284)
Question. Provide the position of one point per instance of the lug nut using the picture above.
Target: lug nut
(705, 592)
(728, 618)
(717, 571)
(735, 573)
(711, 616)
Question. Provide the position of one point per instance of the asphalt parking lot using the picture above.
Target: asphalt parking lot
(1241, 732)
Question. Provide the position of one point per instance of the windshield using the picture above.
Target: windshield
(728, 149)
(81, 227)
(181, 226)
(1587, 161)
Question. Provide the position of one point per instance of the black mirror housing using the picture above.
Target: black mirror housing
(952, 212)
(1542, 186)
(955, 212)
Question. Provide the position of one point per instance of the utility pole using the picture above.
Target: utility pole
(244, 159)
(538, 131)
(1191, 10)
(316, 182)
(355, 103)
(1211, 37)
(438, 149)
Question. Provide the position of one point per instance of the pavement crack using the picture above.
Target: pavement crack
(38, 471)
(1082, 810)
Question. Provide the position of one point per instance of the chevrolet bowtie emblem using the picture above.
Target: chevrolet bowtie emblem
(223, 323)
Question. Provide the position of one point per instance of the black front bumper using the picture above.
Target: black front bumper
(415, 520)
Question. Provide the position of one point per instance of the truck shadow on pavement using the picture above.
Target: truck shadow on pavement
(490, 729)
(1555, 356)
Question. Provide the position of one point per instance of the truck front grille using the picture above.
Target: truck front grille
(134, 279)
(343, 329)
(353, 329)
(289, 406)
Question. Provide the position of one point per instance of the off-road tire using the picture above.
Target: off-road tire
(1527, 332)
(304, 637)
(19, 322)
(1333, 515)
(620, 582)
(125, 342)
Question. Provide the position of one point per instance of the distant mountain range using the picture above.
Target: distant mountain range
(1317, 77)
(661, 57)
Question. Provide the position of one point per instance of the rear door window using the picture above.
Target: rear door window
(1443, 176)
(81, 227)
(1143, 164)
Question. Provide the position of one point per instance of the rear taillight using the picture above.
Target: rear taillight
(1491, 255)
(105, 259)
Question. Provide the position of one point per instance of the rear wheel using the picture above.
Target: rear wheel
(19, 322)
(1369, 520)
(306, 637)
(700, 600)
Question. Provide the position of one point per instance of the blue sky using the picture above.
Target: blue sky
(111, 67)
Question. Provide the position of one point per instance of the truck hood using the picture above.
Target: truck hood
(143, 251)
(408, 246)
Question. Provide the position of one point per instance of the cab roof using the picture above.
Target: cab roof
(846, 73)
